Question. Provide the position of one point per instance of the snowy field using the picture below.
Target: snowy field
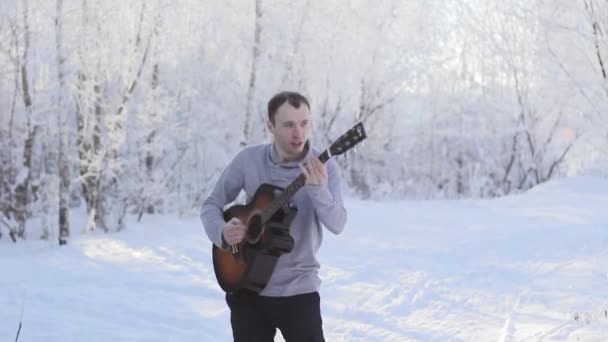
(530, 267)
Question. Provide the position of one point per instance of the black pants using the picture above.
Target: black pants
(256, 318)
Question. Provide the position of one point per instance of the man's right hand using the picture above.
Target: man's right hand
(234, 231)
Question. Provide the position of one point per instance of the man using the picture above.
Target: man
(290, 301)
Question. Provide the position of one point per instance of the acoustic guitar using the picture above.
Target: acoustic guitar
(247, 266)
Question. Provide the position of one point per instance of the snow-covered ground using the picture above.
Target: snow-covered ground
(531, 267)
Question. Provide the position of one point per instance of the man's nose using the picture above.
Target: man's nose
(297, 132)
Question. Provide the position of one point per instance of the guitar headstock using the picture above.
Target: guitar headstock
(348, 140)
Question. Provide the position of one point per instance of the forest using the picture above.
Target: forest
(134, 107)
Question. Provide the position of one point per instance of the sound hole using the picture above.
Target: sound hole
(254, 228)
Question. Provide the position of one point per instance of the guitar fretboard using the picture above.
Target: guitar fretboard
(289, 191)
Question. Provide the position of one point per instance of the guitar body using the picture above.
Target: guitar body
(251, 267)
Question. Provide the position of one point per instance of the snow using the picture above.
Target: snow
(527, 267)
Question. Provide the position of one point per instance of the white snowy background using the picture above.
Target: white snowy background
(530, 267)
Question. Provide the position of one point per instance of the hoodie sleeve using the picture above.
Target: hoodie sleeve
(226, 189)
(327, 200)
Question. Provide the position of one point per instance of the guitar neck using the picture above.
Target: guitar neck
(289, 191)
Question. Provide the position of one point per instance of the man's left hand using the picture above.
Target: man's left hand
(314, 171)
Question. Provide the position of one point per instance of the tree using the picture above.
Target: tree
(21, 179)
(64, 168)
(250, 111)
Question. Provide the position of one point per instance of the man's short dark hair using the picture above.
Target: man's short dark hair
(294, 99)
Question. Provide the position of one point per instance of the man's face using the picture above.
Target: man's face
(291, 130)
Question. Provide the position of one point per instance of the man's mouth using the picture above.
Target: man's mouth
(297, 145)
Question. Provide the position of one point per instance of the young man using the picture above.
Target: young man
(290, 301)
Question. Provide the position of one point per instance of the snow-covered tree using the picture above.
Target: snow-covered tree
(135, 107)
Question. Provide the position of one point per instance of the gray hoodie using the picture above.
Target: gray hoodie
(296, 272)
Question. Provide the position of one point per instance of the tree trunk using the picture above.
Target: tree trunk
(24, 178)
(147, 203)
(251, 107)
(89, 132)
(64, 170)
(112, 191)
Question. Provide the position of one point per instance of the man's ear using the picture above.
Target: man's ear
(269, 125)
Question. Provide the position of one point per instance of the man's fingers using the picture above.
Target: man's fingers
(304, 168)
(234, 231)
(237, 229)
(238, 235)
(236, 224)
(314, 171)
(234, 236)
(320, 167)
(315, 166)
